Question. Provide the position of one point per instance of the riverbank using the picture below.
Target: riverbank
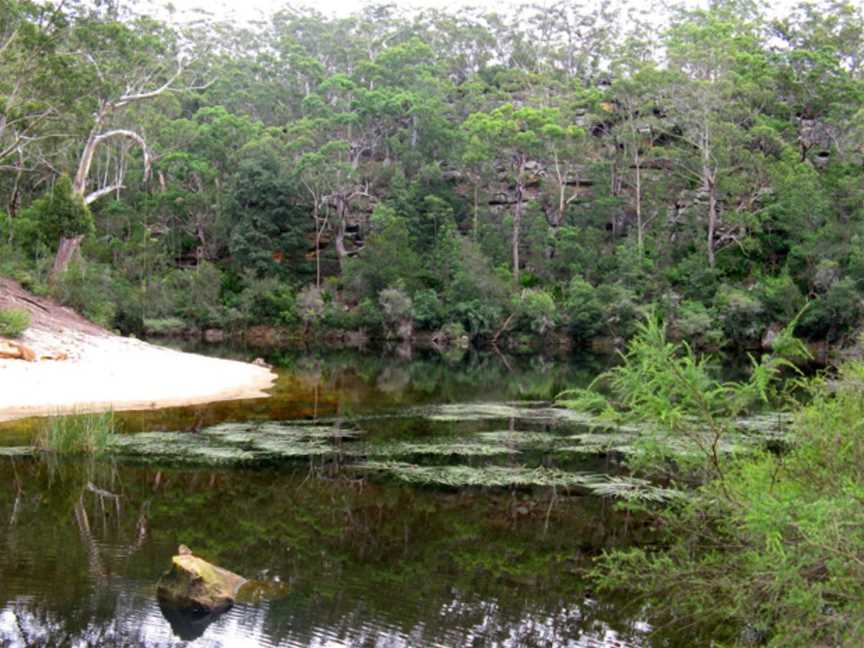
(80, 367)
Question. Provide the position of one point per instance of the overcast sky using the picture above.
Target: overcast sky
(254, 9)
(246, 10)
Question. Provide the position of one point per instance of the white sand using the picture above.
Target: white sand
(110, 372)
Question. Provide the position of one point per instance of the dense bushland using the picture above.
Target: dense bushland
(547, 171)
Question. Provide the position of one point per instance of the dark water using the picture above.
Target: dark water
(339, 558)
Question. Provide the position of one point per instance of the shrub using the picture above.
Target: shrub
(620, 309)
(395, 305)
(741, 315)
(428, 311)
(781, 298)
(833, 314)
(78, 434)
(310, 305)
(536, 310)
(13, 321)
(86, 288)
(583, 311)
(265, 300)
(165, 326)
(58, 213)
(194, 294)
(696, 325)
(771, 552)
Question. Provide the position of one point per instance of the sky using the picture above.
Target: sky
(250, 10)
(253, 9)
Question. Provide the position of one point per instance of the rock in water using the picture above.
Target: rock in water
(194, 584)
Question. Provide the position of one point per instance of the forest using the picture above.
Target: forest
(682, 183)
(539, 174)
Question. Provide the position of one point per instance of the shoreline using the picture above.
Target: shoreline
(123, 374)
(80, 367)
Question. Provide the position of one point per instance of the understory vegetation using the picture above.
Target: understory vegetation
(541, 173)
(13, 322)
(768, 546)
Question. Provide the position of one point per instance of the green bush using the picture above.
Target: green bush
(834, 314)
(59, 213)
(87, 289)
(781, 297)
(265, 301)
(167, 326)
(583, 311)
(535, 311)
(78, 434)
(13, 322)
(696, 325)
(741, 315)
(428, 311)
(769, 553)
(620, 309)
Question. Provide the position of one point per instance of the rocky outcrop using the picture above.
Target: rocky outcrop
(15, 351)
(194, 584)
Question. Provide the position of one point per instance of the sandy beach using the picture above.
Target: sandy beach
(97, 370)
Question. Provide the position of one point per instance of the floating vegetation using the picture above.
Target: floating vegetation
(249, 431)
(432, 449)
(509, 476)
(521, 439)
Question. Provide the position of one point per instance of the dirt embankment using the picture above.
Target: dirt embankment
(73, 365)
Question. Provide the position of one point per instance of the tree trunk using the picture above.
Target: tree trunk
(517, 226)
(712, 221)
(340, 233)
(476, 210)
(68, 249)
(639, 236)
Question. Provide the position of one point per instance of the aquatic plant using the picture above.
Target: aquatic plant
(78, 434)
(522, 476)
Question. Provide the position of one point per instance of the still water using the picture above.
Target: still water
(339, 556)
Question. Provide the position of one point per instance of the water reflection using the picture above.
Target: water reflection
(336, 559)
(337, 563)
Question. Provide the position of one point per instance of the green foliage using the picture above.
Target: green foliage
(13, 322)
(428, 312)
(536, 311)
(676, 394)
(87, 288)
(396, 306)
(78, 434)
(696, 325)
(773, 551)
(833, 314)
(59, 213)
(741, 315)
(584, 310)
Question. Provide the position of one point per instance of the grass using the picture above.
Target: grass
(13, 322)
(78, 434)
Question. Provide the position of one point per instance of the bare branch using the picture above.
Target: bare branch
(104, 191)
(122, 132)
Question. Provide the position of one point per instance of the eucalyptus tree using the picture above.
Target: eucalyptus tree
(124, 65)
(718, 75)
(515, 136)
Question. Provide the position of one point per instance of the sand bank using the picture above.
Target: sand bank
(122, 374)
(100, 370)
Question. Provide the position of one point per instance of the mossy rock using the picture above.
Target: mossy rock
(192, 583)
